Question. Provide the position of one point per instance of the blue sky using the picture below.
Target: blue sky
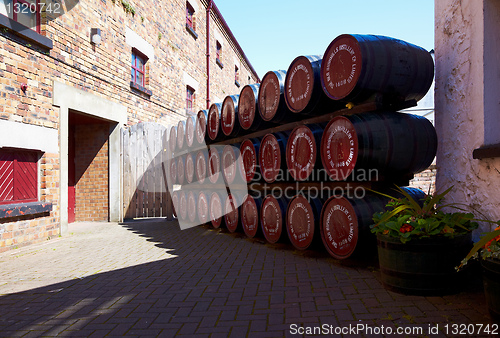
(273, 32)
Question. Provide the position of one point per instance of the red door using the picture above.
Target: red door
(71, 175)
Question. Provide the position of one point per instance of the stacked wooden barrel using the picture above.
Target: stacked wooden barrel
(292, 158)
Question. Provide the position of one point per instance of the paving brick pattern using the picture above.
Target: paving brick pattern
(148, 278)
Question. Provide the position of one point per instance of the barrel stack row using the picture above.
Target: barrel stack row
(328, 122)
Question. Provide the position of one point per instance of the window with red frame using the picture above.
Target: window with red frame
(190, 16)
(236, 74)
(190, 99)
(26, 12)
(138, 68)
(218, 52)
(18, 176)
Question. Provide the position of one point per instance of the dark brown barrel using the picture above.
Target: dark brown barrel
(216, 209)
(250, 215)
(231, 216)
(249, 151)
(248, 109)
(357, 68)
(272, 156)
(183, 206)
(272, 218)
(230, 122)
(302, 151)
(202, 204)
(214, 165)
(175, 202)
(345, 222)
(191, 204)
(181, 134)
(181, 169)
(302, 220)
(172, 139)
(201, 165)
(201, 127)
(303, 91)
(271, 101)
(190, 130)
(393, 144)
(172, 171)
(213, 122)
(189, 167)
(229, 161)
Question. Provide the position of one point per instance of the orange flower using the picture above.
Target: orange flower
(406, 228)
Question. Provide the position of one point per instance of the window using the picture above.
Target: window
(190, 16)
(138, 68)
(18, 176)
(236, 76)
(190, 99)
(26, 12)
(218, 54)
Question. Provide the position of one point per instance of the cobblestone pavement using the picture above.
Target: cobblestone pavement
(148, 278)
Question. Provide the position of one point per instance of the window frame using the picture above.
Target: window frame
(18, 173)
(38, 17)
(136, 53)
(236, 75)
(190, 16)
(190, 97)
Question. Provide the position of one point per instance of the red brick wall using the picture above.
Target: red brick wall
(91, 159)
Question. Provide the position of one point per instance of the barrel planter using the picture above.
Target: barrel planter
(181, 169)
(390, 143)
(272, 218)
(215, 208)
(202, 207)
(271, 99)
(172, 138)
(201, 127)
(231, 213)
(189, 167)
(214, 164)
(201, 164)
(302, 151)
(358, 68)
(230, 163)
(249, 150)
(181, 134)
(250, 209)
(213, 122)
(248, 111)
(491, 282)
(230, 123)
(190, 131)
(303, 91)
(272, 156)
(423, 266)
(302, 220)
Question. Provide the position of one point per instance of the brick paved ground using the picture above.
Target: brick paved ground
(148, 278)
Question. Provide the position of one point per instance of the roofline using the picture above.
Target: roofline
(231, 36)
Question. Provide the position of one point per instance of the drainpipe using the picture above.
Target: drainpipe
(209, 8)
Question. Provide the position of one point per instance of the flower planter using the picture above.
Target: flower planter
(491, 281)
(422, 266)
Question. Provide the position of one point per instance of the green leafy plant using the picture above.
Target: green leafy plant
(487, 247)
(128, 7)
(408, 219)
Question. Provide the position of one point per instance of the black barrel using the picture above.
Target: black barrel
(232, 215)
(213, 122)
(230, 122)
(201, 127)
(357, 68)
(181, 134)
(250, 215)
(345, 222)
(271, 100)
(201, 165)
(303, 91)
(302, 221)
(181, 169)
(248, 108)
(172, 139)
(272, 218)
(214, 170)
(190, 131)
(272, 156)
(249, 152)
(392, 144)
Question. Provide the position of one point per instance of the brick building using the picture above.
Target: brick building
(73, 79)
